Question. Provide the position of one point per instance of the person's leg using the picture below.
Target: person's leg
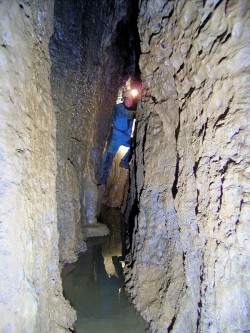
(108, 156)
(105, 167)
(125, 160)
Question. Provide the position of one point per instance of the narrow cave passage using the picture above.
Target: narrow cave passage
(95, 53)
(186, 202)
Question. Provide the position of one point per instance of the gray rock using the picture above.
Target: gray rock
(188, 262)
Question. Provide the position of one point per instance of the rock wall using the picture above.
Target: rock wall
(188, 205)
(115, 189)
(30, 291)
(91, 58)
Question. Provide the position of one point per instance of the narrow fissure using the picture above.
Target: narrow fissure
(99, 44)
(124, 166)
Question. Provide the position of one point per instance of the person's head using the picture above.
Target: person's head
(127, 98)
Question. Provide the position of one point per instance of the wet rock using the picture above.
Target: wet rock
(95, 230)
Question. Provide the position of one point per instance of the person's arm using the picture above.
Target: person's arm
(130, 114)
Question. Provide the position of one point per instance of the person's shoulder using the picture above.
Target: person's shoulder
(120, 106)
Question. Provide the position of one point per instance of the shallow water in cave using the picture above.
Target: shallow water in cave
(95, 287)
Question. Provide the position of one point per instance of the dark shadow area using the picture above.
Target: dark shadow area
(128, 228)
(131, 208)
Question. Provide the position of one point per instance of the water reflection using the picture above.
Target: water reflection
(95, 287)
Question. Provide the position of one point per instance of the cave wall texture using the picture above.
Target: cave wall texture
(188, 267)
(92, 54)
(57, 94)
(30, 290)
(188, 201)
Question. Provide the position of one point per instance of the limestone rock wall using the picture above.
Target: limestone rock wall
(116, 186)
(91, 58)
(30, 290)
(188, 205)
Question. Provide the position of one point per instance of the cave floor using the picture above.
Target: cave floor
(95, 287)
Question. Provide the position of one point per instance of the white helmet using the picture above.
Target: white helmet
(127, 94)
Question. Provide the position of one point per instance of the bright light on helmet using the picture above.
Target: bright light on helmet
(134, 92)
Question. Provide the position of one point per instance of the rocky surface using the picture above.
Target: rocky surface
(188, 264)
(31, 297)
(51, 143)
(187, 267)
(92, 53)
(115, 188)
(95, 230)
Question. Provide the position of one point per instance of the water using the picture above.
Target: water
(94, 286)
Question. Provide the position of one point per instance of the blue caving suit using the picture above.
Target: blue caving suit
(122, 122)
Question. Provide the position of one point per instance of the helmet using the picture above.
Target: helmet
(127, 94)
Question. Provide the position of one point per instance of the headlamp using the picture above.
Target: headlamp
(134, 92)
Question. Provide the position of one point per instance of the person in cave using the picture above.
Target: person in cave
(122, 123)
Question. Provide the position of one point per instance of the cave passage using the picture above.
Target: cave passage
(185, 199)
(95, 287)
